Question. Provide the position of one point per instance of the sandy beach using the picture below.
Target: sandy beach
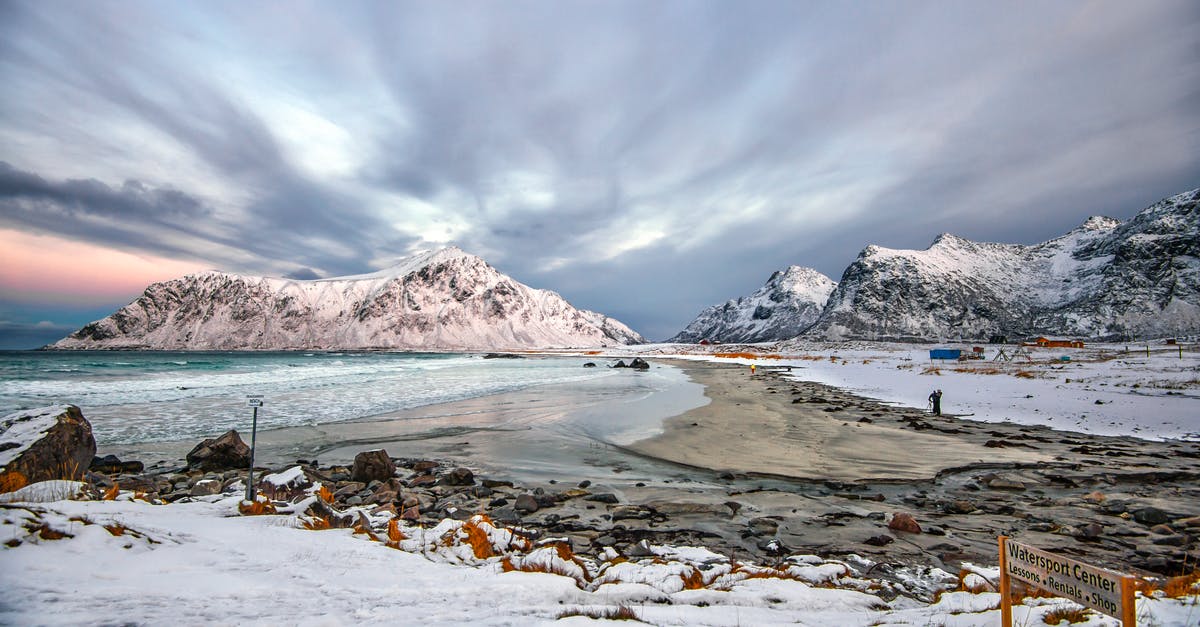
(760, 425)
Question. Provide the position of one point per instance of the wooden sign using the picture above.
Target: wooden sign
(1103, 590)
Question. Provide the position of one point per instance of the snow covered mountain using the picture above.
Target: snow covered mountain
(444, 300)
(789, 303)
(1105, 279)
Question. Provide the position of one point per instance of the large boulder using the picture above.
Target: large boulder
(372, 465)
(225, 452)
(44, 444)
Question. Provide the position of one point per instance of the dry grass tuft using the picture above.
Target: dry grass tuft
(112, 492)
(1069, 614)
(693, 580)
(1025, 374)
(1175, 587)
(507, 566)
(325, 494)
(257, 508)
(478, 539)
(12, 481)
(393, 533)
(934, 370)
(117, 529)
(621, 612)
(46, 532)
(316, 523)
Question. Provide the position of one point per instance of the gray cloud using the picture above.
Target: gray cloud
(729, 140)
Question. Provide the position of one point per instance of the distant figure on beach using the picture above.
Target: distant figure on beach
(936, 399)
(751, 369)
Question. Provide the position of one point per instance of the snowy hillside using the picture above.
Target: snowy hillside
(445, 299)
(788, 304)
(1105, 279)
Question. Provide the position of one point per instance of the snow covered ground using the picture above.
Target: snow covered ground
(69, 562)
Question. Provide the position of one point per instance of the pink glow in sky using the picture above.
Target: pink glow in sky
(46, 269)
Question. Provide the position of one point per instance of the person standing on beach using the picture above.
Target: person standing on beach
(936, 399)
(752, 369)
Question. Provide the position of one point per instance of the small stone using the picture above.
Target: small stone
(584, 484)
(460, 476)
(604, 497)
(526, 504)
(206, 487)
(1095, 497)
(880, 540)
(904, 522)
(1150, 516)
(1177, 539)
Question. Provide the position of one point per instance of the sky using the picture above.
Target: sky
(643, 159)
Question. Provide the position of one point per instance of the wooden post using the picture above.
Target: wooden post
(1147, 350)
(1005, 588)
(1128, 606)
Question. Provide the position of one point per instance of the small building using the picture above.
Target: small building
(1049, 343)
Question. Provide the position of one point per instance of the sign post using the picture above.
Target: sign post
(1102, 590)
(254, 401)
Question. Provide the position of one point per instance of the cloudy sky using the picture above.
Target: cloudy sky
(644, 159)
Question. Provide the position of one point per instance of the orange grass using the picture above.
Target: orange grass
(693, 580)
(1175, 587)
(112, 492)
(12, 481)
(325, 494)
(316, 523)
(116, 529)
(478, 539)
(257, 508)
(393, 533)
(984, 586)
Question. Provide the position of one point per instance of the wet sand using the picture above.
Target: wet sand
(752, 426)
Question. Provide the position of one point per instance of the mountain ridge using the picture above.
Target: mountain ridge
(443, 299)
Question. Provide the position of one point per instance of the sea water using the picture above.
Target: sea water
(139, 397)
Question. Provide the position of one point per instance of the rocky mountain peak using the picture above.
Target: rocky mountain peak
(435, 300)
(787, 304)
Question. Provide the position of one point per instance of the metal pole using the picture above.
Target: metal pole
(250, 476)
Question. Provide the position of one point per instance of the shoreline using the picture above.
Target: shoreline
(963, 481)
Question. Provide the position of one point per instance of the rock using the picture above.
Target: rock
(880, 540)
(1162, 530)
(584, 484)
(1090, 531)
(44, 444)
(225, 452)
(111, 465)
(640, 549)
(1150, 516)
(604, 497)
(493, 483)
(630, 512)
(206, 487)
(733, 506)
(764, 525)
(372, 466)
(1192, 522)
(590, 364)
(639, 364)
(1175, 539)
(772, 546)
(1095, 497)
(422, 480)
(1006, 483)
(459, 476)
(904, 522)
(526, 504)
(411, 513)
